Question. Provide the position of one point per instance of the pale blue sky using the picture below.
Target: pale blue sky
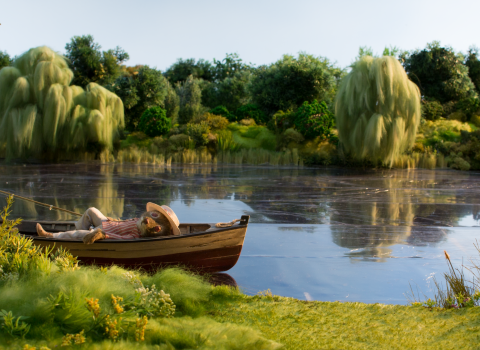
(158, 32)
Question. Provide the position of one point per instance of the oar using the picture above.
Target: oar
(40, 203)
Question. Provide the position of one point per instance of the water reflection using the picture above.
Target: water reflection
(369, 211)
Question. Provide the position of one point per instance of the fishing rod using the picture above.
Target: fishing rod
(40, 203)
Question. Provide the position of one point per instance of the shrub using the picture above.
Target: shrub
(198, 133)
(215, 122)
(431, 110)
(180, 140)
(154, 122)
(223, 111)
(282, 121)
(251, 111)
(314, 120)
(468, 106)
(291, 135)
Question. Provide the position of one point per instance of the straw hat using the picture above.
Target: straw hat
(169, 214)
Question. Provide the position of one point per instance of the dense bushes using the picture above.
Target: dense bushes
(290, 81)
(314, 120)
(431, 110)
(251, 111)
(154, 122)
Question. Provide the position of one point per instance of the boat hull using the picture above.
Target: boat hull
(213, 250)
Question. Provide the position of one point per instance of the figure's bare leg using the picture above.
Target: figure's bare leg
(93, 236)
(42, 233)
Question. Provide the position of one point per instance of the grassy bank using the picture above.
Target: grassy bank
(47, 300)
(325, 325)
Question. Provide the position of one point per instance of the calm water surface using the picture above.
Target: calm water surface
(315, 234)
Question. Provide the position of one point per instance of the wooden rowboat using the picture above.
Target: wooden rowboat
(200, 247)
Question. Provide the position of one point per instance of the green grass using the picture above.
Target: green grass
(334, 325)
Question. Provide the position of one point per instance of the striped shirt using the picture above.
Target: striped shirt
(126, 229)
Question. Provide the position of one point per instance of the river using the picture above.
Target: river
(315, 233)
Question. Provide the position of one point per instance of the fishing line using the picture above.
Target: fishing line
(40, 203)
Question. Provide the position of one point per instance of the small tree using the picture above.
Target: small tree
(290, 81)
(89, 64)
(140, 88)
(439, 73)
(154, 122)
(190, 96)
(377, 110)
(314, 119)
(171, 102)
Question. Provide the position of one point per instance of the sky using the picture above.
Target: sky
(159, 32)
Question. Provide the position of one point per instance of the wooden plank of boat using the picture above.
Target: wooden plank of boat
(201, 247)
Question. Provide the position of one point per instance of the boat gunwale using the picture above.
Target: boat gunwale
(242, 224)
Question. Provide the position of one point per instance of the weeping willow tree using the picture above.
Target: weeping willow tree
(377, 110)
(42, 116)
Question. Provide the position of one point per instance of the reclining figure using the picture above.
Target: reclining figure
(93, 225)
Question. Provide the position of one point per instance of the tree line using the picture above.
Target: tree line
(271, 94)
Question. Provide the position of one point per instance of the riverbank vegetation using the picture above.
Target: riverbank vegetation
(49, 300)
(419, 109)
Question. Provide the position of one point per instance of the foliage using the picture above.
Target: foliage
(229, 67)
(215, 122)
(90, 65)
(439, 74)
(282, 120)
(473, 64)
(314, 119)
(223, 111)
(231, 92)
(198, 132)
(182, 69)
(431, 110)
(5, 59)
(368, 51)
(290, 81)
(190, 96)
(41, 115)
(377, 110)
(145, 87)
(468, 106)
(154, 122)
(171, 102)
(251, 111)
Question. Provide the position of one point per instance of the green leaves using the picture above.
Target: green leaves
(314, 120)
(13, 326)
(154, 122)
(289, 82)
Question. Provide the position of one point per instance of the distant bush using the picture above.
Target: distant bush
(215, 122)
(223, 111)
(432, 110)
(468, 106)
(180, 140)
(281, 121)
(291, 135)
(154, 122)
(199, 133)
(251, 111)
(314, 119)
